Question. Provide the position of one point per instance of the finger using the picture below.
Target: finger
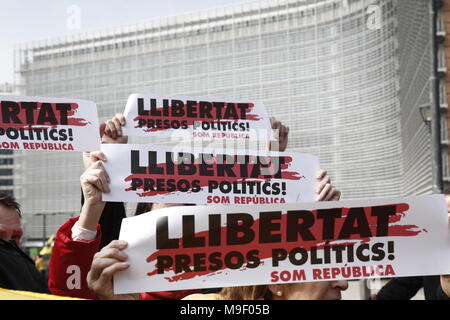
(276, 126)
(118, 126)
(324, 192)
(121, 118)
(105, 278)
(98, 165)
(329, 196)
(102, 175)
(118, 244)
(102, 128)
(284, 131)
(110, 253)
(92, 180)
(336, 195)
(111, 129)
(107, 254)
(99, 265)
(107, 129)
(325, 180)
(320, 174)
(97, 175)
(281, 131)
(104, 180)
(97, 155)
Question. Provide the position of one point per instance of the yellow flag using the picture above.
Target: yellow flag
(6, 294)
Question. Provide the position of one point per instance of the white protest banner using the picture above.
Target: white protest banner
(217, 246)
(149, 173)
(196, 117)
(52, 124)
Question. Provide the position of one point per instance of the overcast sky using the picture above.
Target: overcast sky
(27, 20)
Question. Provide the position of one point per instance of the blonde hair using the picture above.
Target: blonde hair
(245, 293)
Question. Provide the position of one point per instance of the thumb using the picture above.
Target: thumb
(373, 296)
(102, 129)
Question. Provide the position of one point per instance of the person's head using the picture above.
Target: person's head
(10, 227)
(322, 290)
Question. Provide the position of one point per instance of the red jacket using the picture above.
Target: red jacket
(71, 261)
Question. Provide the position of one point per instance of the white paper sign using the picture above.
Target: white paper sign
(196, 117)
(143, 173)
(51, 124)
(221, 246)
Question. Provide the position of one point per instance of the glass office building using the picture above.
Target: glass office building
(345, 75)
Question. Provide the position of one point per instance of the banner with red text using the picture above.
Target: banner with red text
(196, 117)
(50, 124)
(149, 173)
(217, 246)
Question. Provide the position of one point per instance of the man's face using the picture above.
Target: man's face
(10, 228)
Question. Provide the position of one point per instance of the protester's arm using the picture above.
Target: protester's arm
(78, 240)
(110, 260)
(113, 212)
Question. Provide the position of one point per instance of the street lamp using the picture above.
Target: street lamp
(425, 113)
(44, 225)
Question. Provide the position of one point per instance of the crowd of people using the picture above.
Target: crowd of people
(86, 253)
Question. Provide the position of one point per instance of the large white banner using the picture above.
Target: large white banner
(196, 117)
(149, 173)
(52, 124)
(218, 246)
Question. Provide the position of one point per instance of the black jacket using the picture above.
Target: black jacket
(405, 288)
(18, 271)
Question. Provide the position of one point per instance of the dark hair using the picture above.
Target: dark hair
(9, 202)
(143, 207)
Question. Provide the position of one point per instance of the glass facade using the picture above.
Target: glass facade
(332, 70)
